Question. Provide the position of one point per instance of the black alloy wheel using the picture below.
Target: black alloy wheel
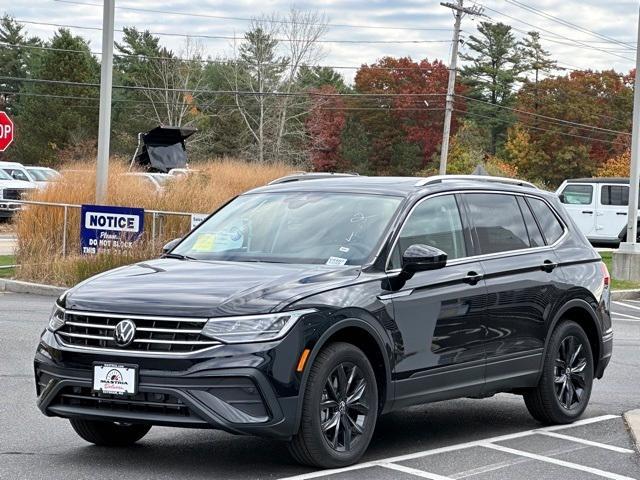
(343, 407)
(564, 388)
(569, 378)
(339, 409)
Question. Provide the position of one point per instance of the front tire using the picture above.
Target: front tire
(564, 388)
(109, 434)
(340, 409)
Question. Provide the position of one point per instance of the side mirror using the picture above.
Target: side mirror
(562, 198)
(418, 258)
(170, 245)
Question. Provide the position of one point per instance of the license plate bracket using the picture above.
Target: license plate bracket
(115, 378)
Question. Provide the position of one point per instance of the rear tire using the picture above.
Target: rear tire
(564, 388)
(109, 434)
(339, 411)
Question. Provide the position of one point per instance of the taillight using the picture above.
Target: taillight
(605, 272)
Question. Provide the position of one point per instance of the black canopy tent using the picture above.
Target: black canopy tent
(162, 148)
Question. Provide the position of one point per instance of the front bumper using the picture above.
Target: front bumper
(9, 208)
(231, 393)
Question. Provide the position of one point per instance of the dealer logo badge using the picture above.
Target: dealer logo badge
(124, 333)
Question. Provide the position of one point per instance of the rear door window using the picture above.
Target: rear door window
(574, 194)
(498, 222)
(551, 226)
(617, 195)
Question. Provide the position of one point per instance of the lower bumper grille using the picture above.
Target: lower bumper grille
(143, 402)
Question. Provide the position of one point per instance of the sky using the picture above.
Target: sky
(423, 21)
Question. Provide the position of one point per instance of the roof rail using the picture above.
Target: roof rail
(476, 178)
(299, 176)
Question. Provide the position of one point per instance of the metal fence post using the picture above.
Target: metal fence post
(64, 234)
(153, 230)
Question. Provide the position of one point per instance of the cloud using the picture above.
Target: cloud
(612, 19)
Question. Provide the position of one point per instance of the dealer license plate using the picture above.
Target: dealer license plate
(115, 379)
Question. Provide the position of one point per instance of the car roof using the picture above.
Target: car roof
(11, 164)
(599, 180)
(397, 186)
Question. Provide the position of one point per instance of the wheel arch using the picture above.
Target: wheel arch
(363, 335)
(581, 312)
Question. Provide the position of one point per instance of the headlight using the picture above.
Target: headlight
(56, 320)
(252, 328)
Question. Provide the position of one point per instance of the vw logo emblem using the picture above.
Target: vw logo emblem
(124, 333)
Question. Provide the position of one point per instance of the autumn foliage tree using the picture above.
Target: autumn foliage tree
(618, 166)
(407, 114)
(324, 126)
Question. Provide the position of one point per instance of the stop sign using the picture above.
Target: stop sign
(6, 131)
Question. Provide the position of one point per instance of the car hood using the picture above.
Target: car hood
(203, 288)
(16, 184)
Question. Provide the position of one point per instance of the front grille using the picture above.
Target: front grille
(142, 402)
(153, 334)
(14, 193)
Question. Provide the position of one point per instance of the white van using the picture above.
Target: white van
(599, 206)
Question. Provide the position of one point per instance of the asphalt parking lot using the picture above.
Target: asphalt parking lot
(493, 438)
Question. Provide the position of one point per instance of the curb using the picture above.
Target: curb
(632, 418)
(17, 286)
(625, 294)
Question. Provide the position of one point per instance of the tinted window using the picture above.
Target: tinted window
(577, 194)
(551, 226)
(614, 195)
(535, 236)
(434, 222)
(498, 222)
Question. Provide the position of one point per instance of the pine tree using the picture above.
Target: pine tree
(492, 72)
(536, 59)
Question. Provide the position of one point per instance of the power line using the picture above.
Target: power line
(182, 104)
(577, 42)
(548, 118)
(223, 92)
(205, 61)
(226, 37)
(584, 137)
(247, 19)
(566, 23)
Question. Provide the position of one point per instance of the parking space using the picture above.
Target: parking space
(597, 447)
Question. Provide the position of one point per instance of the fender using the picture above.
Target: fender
(574, 303)
(341, 325)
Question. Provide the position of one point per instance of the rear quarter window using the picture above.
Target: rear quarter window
(551, 227)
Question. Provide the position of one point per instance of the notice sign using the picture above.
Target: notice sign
(197, 219)
(105, 228)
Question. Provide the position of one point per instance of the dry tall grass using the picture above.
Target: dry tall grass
(40, 228)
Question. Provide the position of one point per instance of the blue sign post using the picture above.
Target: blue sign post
(106, 228)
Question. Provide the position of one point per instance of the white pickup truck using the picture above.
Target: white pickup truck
(599, 206)
(10, 191)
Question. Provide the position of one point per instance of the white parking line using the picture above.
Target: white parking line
(615, 314)
(450, 448)
(627, 305)
(587, 442)
(556, 461)
(414, 471)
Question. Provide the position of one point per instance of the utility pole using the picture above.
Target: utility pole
(104, 121)
(626, 260)
(459, 10)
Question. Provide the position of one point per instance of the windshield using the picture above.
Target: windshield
(4, 175)
(18, 174)
(38, 174)
(294, 227)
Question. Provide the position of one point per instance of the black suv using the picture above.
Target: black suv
(303, 310)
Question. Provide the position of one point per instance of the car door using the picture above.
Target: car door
(611, 211)
(439, 313)
(579, 202)
(523, 285)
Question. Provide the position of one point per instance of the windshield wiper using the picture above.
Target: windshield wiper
(179, 256)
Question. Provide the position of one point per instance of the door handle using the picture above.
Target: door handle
(588, 212)
(621, 213)
(548, 266)
(472, 278)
